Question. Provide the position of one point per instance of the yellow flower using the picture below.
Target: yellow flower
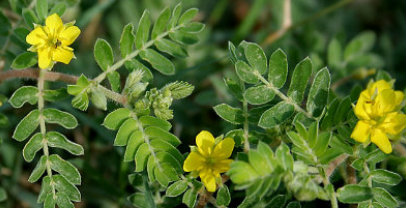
(52, 40)
(208, 160)
(380, 119)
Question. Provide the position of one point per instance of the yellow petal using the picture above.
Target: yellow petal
(399, 97)
(209, 180)
(394, 123)
(378, 87)
(194, 161)
(361, 131)
(379, 138)
(63, 54)
(223, 149)
(54, 24)
(36, 36)
(222, 166)
(68, 35)
(205, 142)
(385, 102)
(363, 106)
(44, 57)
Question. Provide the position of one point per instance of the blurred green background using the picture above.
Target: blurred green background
(314, 24)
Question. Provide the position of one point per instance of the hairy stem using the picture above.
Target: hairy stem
(41, 103)
(283, 96)
(56, 76)
(326, 182)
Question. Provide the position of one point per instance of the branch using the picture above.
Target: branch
(57, 77)
(34, 74)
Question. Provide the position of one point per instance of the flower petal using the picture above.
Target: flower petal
(399, 97)
(385, 102)
(222, 166)
(209, 180)
(205, 142)
(223, 149)
(394, 123)
(362, 108)
(68, 35)
(54, 24)
(194, 161)
(36, 36)
(378, 86)
(379, 138)
(63, 54)
(44, 57)
(361, 131)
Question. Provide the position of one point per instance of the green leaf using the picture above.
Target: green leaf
(384, 197)
(278, 68)
(385, 177)
(81, 101)
(29, 17)
(141, 157)
(103, 54)
(352, 194)
(230, 114)
(334, 53)
(318, 94)
(299, 81)
(65, 168)
(63, 201)
(170, 47)
(276, 115)
(175, 16)
(360, 44)
(190, 198)
(158, 61)
(58, 8)
(49, 201)
(143, 30)
(55, 95)
(223, 197)
(183, 37)
(24, 60)
(45, 189)
(180, 89)
(294, 204)
(154, 132)
(153, 121)
(176, 188)
(64, 186)
(245, 72)
(22, 95)
(58, 140)
(256, 57)
(39, 169)
(284, 157)
(133, 65)
(161, 23)
(259, 95)
(193, 27)
(127, 40)
(5, 23)
(26, 126)
(56, 116)
(114, 119)
(42, 9)
(134, 142)
(98, 98)
(125, 131)
(188, 16)
(33, 146)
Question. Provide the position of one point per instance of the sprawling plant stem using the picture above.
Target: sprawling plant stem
(41, 83)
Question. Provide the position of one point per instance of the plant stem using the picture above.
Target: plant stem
(148, 195)
(41, 103)
(246, 126)
(283, 96)
(326, 182)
